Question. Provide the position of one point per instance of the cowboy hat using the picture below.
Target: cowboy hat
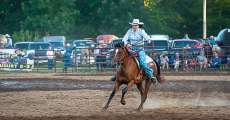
(68, 44)
(7, 35)
(164, 53)
(136, 22)
(141, 23)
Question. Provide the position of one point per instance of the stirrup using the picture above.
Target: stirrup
(153, 79)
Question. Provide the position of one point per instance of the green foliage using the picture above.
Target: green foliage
(49, 16)
(26, 36)
(32, 19)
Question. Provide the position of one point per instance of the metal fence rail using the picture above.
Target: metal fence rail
(100, 60)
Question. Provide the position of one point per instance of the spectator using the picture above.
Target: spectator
(9, 41)
(50, 54)
(186, 58)
(18, 58)
(213, 44)
(215, 60)
(67, 57)
(186, 36)
(171, 59)
(165, 61)
(193, 63)
(85, 54)
(156, 57)
(228, 60)
(161, 60)
(202, 61)
(100, 52)
(186, 64)
(177, 62)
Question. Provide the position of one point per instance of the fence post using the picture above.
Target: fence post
(55, 63)
(89, 58)
(37, 65)
(75, 60)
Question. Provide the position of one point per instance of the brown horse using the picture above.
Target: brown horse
(130, 74)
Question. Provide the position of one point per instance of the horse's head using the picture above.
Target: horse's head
(121, 52)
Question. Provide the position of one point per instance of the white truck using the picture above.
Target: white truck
(57, 42)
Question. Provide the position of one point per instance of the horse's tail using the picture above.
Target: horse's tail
(158, 67)
(158, 75)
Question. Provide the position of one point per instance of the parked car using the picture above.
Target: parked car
(158, 44)
(191, 46)
(223, 39)
(40, 51)
(186, 43)
(103, 56)
(108, 52)
(22, 45)
(57, 42)
(84, 44)
(84, 51)
(159, 37)
(105, 39)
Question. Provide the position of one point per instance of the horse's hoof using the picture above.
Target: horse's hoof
(123, 102)
(139, 109)
(104, 109)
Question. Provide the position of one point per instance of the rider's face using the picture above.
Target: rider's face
(135, 26)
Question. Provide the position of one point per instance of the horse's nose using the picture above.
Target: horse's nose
(114, 61)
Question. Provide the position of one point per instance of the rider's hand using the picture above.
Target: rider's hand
(149, 41)
(129, 46)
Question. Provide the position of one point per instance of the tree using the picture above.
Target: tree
(218, 15)
(55, 17)
(177, 17)
(107, 16)
(32, 19)
(10, 16)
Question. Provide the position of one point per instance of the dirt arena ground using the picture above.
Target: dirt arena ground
(206, 98)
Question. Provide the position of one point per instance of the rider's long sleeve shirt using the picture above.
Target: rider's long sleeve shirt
(136, 38)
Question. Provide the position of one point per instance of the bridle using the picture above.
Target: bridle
(120, 55)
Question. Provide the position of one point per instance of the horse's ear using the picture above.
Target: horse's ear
(122, 43)
(119, 44)
(126, 48)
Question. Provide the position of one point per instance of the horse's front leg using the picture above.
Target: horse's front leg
(124, 91)
(115, 89)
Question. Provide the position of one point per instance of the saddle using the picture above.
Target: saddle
(149, 62)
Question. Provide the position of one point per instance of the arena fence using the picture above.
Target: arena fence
(101, 60)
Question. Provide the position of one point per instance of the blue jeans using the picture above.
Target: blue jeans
(143, 64)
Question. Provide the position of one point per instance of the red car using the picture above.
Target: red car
(105, 39)
(186, 43)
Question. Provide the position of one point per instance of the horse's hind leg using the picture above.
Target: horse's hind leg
(140, 88)
(115, 89)
(144, 96)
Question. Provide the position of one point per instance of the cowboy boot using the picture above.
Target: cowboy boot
(113, 78)
(153, 79)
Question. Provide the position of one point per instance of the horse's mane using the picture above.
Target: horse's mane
(119, 44)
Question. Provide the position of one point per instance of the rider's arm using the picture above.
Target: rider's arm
(125, 38)
(145, 35)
